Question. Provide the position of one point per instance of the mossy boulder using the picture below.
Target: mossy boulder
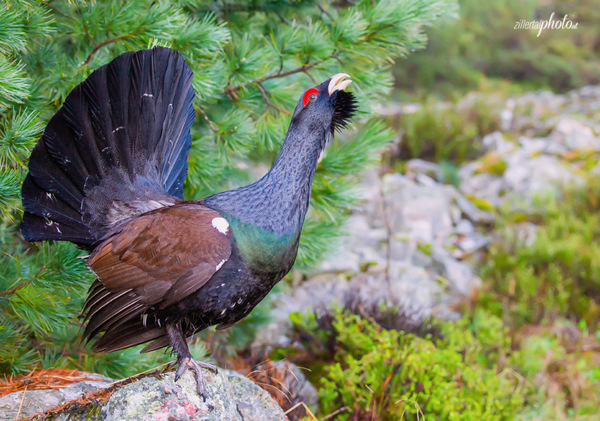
(229, 396)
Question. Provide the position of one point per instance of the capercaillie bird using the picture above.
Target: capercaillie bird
(108, 174)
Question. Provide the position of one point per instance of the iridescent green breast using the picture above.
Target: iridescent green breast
(263, 250)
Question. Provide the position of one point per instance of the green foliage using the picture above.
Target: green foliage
(18, 136)
(251, 61)
(42, 291)
(69, 350)
(368, 362)
(391, 375)
(559, 274)
(560, 373)
(448, 132)
(484, 44)
(541, 290)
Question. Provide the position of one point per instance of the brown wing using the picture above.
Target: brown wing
(154, 260)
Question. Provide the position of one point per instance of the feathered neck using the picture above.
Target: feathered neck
(278, 202)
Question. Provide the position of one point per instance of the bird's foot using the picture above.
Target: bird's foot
(196, 366)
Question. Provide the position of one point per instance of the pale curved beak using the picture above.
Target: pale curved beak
(337, 83)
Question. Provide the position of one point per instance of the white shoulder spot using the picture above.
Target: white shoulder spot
(220, 224)
(221, 264)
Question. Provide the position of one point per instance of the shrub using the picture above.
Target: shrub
(390, 375)
(560, 365)
(449, 132)
(556, 276)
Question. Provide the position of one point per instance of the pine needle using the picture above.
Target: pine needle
(50, 378)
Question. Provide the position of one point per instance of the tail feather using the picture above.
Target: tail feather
(46, 173)
(128, 329)
(158, 343)
(122, 136)
(58, 218)
(128, 335)
(71, 140)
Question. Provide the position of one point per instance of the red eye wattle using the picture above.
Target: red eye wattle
(310, 96)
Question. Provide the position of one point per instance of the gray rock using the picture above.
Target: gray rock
(590, 92)
(359, 247)
(538, 175)
(253, 403)
(410, 287)
(415, 167)
(396, 108)
(472, 241)
(535, 168)
(460, 276)
(537, 145)
(36, 401)
(362, 233)
(420, 259)
(230, 396)
(166, 399)
(484, 186)
(506, 119)
(574, 135)
(344, 260)
(464, 227)
(422, 212)
(495, 142)
(473, 212)
(400, 249)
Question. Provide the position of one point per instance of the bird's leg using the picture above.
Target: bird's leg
(184, 357)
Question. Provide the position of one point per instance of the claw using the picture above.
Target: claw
(196, 366)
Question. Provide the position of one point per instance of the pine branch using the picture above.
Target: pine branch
(279, 74)
(87, 33)
(212, 125)
(54, 9)
(18, 286)
(265, 96)
(314, 79)
(107, 42)
(14, 290)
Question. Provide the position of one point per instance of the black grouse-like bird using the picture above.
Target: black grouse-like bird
(108, 174)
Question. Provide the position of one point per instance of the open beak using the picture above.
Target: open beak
(337, 83)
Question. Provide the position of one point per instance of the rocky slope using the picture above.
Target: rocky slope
(414, 242)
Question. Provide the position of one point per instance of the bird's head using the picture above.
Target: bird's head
(327, 105)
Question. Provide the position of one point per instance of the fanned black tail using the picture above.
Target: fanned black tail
(116, 148)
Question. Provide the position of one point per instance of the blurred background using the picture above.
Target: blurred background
(450, 267)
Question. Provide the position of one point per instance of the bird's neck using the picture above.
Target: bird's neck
(278, 202)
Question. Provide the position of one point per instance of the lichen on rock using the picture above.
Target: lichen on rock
(157, 397)
(229, 396)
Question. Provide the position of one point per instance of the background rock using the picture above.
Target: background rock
(416, 243)
(573, 134)
(403, 249)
